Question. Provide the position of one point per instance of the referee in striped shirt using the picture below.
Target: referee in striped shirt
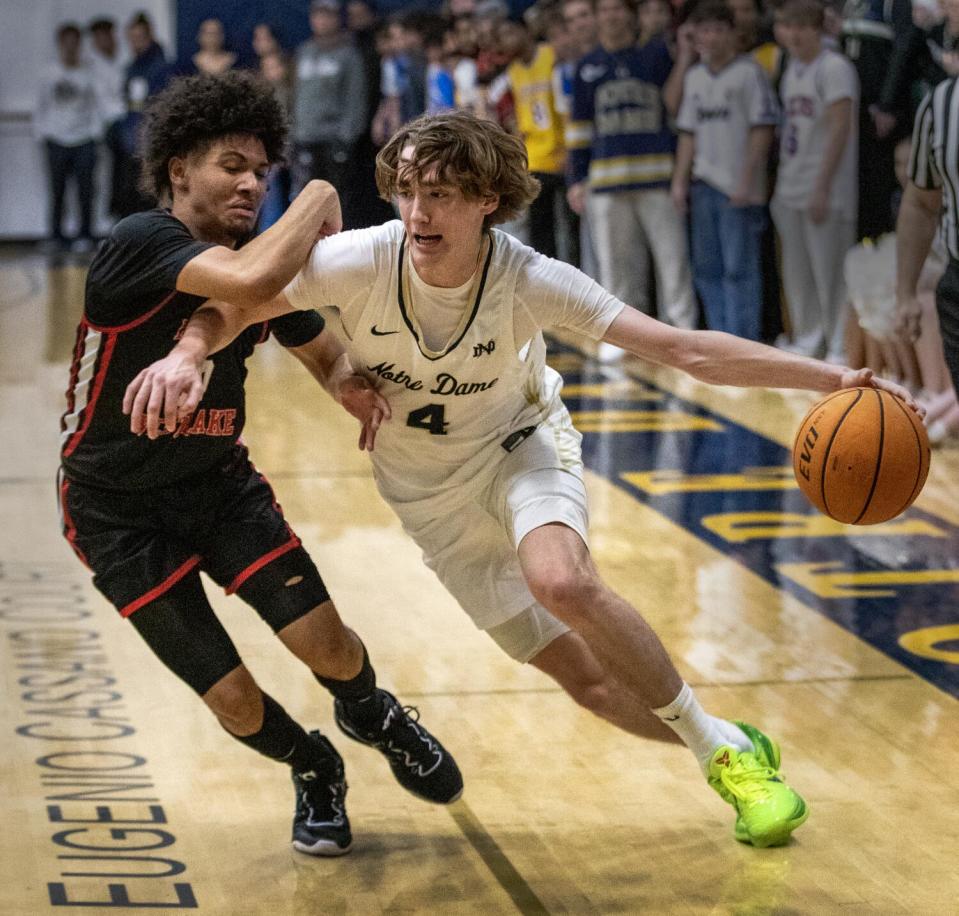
(932, 198)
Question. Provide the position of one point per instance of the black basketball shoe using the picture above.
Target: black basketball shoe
(419, 762)
(320, 824)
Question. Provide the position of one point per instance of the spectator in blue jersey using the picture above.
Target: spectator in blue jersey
(621, 150)
(147, 73)
(726, 123)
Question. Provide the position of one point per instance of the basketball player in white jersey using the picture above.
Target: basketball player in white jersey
(444, 314)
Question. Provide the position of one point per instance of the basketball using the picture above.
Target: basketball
(861, 456)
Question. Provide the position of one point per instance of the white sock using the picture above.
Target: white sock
(701, 732)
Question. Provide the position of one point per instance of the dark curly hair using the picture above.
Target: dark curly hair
(194, 112)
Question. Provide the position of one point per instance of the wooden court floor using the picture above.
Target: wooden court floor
(121, 794)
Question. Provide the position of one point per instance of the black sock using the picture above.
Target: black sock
(280, 738)
(357, 688)
(361, 702)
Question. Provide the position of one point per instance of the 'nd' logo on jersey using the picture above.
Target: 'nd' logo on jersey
(479, 349)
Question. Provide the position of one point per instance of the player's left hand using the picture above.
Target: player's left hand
(364, 402)
(172, 385)
(866, 378)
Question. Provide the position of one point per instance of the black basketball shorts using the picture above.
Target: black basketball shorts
(146, 550)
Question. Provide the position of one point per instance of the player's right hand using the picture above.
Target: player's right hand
(172, 386)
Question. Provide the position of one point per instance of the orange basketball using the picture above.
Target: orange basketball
(861, 456)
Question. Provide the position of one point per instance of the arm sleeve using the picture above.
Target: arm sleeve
(551, 294)
(297, 328)
(499, 87)
(338, 273)
(579, 129)
(840, 80)
(139, 265)
(389, 79)
(560, 99)
(923, 172)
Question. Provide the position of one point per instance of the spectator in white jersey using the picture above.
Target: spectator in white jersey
(445, 314)
(67, 120)
(726, 123)
(815, 203)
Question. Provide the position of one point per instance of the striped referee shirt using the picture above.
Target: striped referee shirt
(934, 161)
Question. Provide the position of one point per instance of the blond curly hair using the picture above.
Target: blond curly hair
(472, 154)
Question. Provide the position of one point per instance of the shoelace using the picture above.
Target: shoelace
(308, 803)
(746, 778)
(411, 714)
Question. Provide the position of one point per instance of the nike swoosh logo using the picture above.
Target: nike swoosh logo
(382, 333)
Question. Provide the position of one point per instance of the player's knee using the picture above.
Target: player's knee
(569, 593)
(237, 702)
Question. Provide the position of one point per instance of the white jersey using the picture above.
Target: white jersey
(457, 410)
(720, 109)
(807, 91)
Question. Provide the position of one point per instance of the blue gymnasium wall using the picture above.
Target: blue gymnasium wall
(290, 19)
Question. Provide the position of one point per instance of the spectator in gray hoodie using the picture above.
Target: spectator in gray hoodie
(330, 103)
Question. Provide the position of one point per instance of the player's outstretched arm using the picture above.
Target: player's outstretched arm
(724, 359)
(262, 268)
(328, 363)
(171, 388)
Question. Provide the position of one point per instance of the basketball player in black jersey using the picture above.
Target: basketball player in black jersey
(147, 513)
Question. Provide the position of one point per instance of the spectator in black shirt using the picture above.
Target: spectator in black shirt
(924, 56)
(147, 513)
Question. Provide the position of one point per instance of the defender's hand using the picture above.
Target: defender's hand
(173, 385)
(364, 402)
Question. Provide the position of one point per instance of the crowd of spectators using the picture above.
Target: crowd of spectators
(723, 164)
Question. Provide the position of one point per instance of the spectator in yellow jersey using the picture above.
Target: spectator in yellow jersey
(530, 79)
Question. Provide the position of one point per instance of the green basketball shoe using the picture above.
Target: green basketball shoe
(767, 810)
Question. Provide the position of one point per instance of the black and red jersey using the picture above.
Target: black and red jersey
(133, 315)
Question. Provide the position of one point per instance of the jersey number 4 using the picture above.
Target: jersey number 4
(432, 418)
